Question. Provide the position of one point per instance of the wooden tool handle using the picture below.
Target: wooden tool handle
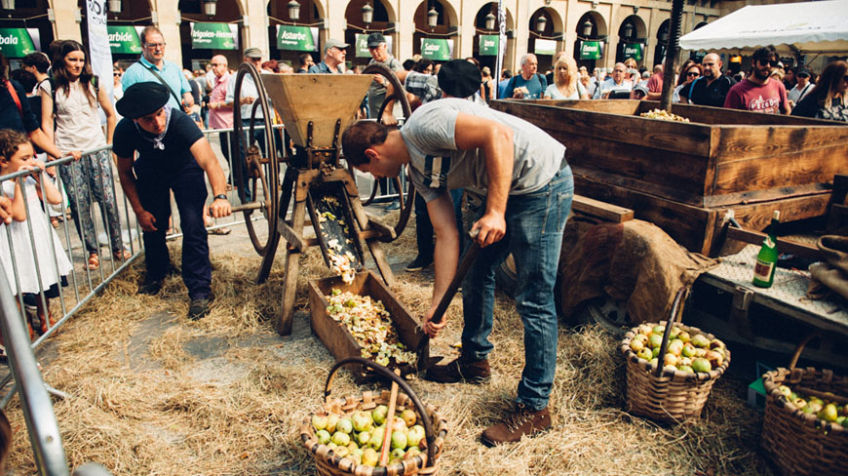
(387, 436)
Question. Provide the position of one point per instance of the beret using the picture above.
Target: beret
(459, 78)
(142, 99)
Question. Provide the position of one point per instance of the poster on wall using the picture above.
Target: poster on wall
(634, 50)
(124, 39)
(591, 50)
(214, 36)
(488, 45)
(18, 42)
(297, 38)
(437, 49)
(362, 45)
(545, 47)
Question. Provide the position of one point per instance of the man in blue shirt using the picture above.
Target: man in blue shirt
(335, 52)
(153, 67)
(528, 84)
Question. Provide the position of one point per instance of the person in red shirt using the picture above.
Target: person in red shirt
(759, 93)
(655, 84)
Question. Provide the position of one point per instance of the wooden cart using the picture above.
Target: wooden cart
(684, 177)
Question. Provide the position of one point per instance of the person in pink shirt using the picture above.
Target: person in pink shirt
(758, 92)
(220, 115)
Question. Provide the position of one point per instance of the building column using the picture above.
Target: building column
(167, 19)
(406, 26)
(255, 29)
(65, 26)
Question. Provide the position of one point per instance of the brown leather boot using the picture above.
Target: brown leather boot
(522, 422)
(460, 370)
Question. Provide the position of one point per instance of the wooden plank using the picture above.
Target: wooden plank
(724, 117)
(600, 209)
(756, 196)
(757, 216)
(753, 142)
(785, 246)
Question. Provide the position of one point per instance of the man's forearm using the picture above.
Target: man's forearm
(446, 255)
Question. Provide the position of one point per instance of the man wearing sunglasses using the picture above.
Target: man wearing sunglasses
(758, 93)
(710, 89)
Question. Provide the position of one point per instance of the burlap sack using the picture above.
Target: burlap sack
(832, 274)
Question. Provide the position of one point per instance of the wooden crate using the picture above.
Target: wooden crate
(338, 339)
(685, 176)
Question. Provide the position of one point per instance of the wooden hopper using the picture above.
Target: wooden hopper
(320, 98)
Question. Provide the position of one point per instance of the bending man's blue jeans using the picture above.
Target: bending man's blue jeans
(534, 229)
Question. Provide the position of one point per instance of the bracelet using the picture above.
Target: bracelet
(220, 196)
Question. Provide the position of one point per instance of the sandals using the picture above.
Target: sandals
(93, 262)
(122, 255)
(44, 327)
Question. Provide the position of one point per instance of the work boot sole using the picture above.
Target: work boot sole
(491, 444)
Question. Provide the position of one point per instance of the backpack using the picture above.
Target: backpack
(543, 82)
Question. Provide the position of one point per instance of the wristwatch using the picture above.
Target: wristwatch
(220, 196)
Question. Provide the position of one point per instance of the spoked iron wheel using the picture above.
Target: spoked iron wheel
(258, 179)
(407, 198)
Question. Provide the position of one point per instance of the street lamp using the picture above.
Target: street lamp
(587, 28)
(432, 18)
(8, 4)
(490, 21)
(664, 36)
(294, 10)
(628, 30)
(210, 7)
(540, 24)
(367, 14)
(114, 6)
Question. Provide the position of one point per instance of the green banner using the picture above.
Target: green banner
(214, 36)
(124, 39)
(437, 49)
(16, 42)
(545, 47)
(362, 46)
(634, 50)
(488, 45)
(591, 50)
(297, 38)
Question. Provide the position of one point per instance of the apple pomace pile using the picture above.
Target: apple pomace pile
(685, 353)
(359, 435)
(371, 325)
(824, 409)
(663, 115)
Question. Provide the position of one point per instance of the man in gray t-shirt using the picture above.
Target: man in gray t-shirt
(521, 173)
(377, 92)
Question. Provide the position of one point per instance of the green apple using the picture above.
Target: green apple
(412, 452)
(654, 362)
(800, 403)
(332, 420)
(700, 340)
(675, 331)
(356, 456)
(323, 436)
(398, 453)
(685, 368)
(645, 354)
(670, 359)
(363, 437)
(344, 425)
(398, 424)
(829, 412)
(341, 438)
(637, 345)
(655, 340)
(658, 330)
(684, 362)
(341, 451)
(716, 344)
(684, 336)
(701, 365)
(785, 391)
(376, 440)
(688, 350)
(399, 440)
(409, 417)
(370, 457)
(415, 435)
(379, 414)
(362, 421)
(319, 421)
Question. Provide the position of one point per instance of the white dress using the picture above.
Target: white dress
(24, 259)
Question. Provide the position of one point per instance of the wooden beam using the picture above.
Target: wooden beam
(601, 209)
(786, 246)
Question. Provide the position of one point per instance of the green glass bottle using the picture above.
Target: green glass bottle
(767, 258)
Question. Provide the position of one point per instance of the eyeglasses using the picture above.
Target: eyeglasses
(117, 75)
(155, 45)
(707, 65)
(693, 73)
(771, 63)
(618, 70)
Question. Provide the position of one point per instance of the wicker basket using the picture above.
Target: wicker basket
(330, 464)
(666, 395)
(797, 442)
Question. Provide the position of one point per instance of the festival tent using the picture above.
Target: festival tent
(808, 27)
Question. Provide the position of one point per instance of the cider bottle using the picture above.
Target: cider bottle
(767, 257)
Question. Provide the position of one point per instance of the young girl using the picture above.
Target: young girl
(16, 154)
(73, 106)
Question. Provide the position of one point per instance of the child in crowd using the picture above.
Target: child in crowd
(16, 154)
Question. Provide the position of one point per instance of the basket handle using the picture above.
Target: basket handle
(385, 372)
(800, 349)
(676, 314)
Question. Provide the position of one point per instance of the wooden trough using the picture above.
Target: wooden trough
(684, 177)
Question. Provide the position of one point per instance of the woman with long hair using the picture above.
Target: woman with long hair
(828, 99)
(72, 106)
(566, 84)
(688, 73)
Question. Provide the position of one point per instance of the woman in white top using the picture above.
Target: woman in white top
(566, 84)
(73, 106)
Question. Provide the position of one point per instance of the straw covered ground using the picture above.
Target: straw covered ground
(225, 396)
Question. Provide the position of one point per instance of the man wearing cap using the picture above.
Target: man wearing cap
(173, 155)
(335, 52)
(710, 89)
(153, 67)
(249, 93)
(377, 92)
(526, 188)
(802, 87)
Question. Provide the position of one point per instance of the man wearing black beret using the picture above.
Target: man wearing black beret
(173, 155)
(526, 188)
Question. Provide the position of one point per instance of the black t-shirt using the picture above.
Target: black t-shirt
(712, 95)
(10, 118)
(154, 163)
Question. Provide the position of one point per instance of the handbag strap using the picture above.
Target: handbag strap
(14, 95)
(161, 80)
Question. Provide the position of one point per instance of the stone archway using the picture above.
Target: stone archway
(281, 24)
(489, 59)
(545, 43)
(446, 28)
(592, 35)
(384, 19)
(191, 11)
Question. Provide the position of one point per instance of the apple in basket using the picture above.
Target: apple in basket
(370, 457)
(379, 414)
(362, 421)
(409, 417)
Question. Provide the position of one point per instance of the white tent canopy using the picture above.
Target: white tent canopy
(811, 27)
